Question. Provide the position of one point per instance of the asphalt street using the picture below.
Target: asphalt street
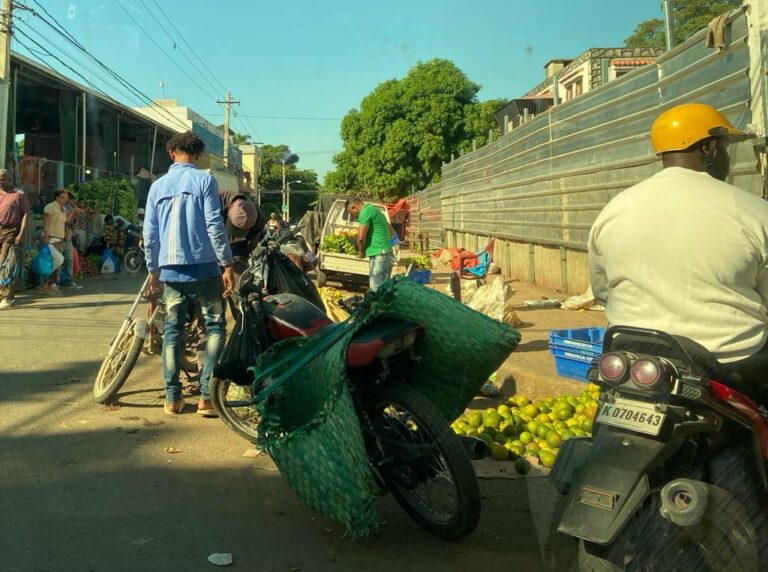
(125, 487)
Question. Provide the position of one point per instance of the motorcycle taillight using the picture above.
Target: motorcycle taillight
(613, 367)
(646, 372)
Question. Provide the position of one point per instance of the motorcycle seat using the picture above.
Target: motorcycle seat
(382, 338)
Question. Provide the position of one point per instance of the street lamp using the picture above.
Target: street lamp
(288, 199)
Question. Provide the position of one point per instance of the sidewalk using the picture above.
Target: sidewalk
(530, 369)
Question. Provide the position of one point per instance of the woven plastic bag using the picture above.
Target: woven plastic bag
(308, 422)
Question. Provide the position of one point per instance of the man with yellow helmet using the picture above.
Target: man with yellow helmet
(685, 252)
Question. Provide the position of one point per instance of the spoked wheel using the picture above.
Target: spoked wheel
(242, 420)
(133, 261)
(116, 369)
(430, 475)
(191, 341)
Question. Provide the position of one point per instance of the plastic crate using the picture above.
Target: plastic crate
(574, 355)
(421, 276)
(580, 339)
(572, 368)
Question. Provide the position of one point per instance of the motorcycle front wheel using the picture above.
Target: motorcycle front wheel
(115, 369)
(429, 474)
(133, 261)
(242, 420)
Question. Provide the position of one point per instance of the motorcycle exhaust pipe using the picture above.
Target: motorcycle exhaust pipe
(475, 448)
(684, 501)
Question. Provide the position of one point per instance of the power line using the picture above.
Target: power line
(63, 32)
(191, 49)
(159, 47)
(111, 85)
(175, 47)
(291, 118)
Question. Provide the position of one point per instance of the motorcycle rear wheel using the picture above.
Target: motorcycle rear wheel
(133, 261)
(425, 452)
(242, 420)
(115, 370)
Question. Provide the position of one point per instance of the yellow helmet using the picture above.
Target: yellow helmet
(683, 125)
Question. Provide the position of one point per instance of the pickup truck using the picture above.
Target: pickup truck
(342, 267)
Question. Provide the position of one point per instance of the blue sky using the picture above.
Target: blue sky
(318, 59)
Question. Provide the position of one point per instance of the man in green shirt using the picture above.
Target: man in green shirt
(373, 240)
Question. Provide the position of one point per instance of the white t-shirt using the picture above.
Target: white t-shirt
(687, 254)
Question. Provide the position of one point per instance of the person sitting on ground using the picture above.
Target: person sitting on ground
(685, 252)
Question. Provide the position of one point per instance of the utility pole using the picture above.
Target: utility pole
(5, 77)
(228, 101)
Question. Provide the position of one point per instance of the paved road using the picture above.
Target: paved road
(85, 487)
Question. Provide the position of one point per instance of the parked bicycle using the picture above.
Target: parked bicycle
(136, 334)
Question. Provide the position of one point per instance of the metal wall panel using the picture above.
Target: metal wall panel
(545, 181)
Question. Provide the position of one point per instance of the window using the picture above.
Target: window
(574, 89)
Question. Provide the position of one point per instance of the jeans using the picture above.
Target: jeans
(379, 270)
(178, 297)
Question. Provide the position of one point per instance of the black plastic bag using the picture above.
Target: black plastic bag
(285, 278)
(240, 352)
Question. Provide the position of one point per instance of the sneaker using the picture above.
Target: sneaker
(205, 408)
(174, 407)
(7, 303)
(71, 286)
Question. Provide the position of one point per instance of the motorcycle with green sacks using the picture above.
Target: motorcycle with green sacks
(355, 410)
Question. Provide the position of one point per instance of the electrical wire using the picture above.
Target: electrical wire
(177, 47)
(159, 47)
(56, 26)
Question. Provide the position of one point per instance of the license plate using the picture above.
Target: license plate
(635, 415)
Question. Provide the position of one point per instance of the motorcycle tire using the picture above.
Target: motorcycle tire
(408, 425)
(133, 261)
(242, 420)
(116, 369)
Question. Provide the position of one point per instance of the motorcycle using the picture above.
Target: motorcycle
(412, 452)
(136, 334)
(674, 476)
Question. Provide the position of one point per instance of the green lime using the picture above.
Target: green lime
(547, 458)
(554, 440)
(499, 452)
(522, 467)
(526, 437)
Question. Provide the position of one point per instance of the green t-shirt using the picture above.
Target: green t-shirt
(377, 239)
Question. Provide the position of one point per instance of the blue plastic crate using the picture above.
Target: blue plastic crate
(580, 339)
(421, 276)
(575, 369)
(584, 356)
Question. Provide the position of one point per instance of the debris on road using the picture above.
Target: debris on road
(172, 450)
(220, 559)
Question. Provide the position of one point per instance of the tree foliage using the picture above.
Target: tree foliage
(110, 196)
(406, 128)
(271, 178)
(688, 17)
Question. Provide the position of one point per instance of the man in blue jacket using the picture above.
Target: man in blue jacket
(186, 245)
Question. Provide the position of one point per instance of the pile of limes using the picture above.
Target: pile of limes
(520, 429)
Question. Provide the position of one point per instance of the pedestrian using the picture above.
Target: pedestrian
(80, 227)
(186, 246)
(66, 276)
(684, 252)
(373, 240)
(55, 234)
(14, 218)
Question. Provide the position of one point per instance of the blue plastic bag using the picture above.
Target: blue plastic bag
(10, 269)
(42, 264)
(109, 262)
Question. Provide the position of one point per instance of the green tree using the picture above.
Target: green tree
(271, 178)
(406, 128)
(688, 17)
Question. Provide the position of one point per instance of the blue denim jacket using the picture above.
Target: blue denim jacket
(183, 222)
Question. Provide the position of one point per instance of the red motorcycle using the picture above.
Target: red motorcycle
(674, 476)
(412, 452)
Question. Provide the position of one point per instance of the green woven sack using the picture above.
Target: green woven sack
(308, 423)
(309, 427)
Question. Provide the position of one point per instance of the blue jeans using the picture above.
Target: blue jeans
(379, 269)
(178, 296)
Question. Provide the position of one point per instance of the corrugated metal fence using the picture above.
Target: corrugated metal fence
(545, 182)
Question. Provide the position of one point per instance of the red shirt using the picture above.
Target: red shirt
(13, 207)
